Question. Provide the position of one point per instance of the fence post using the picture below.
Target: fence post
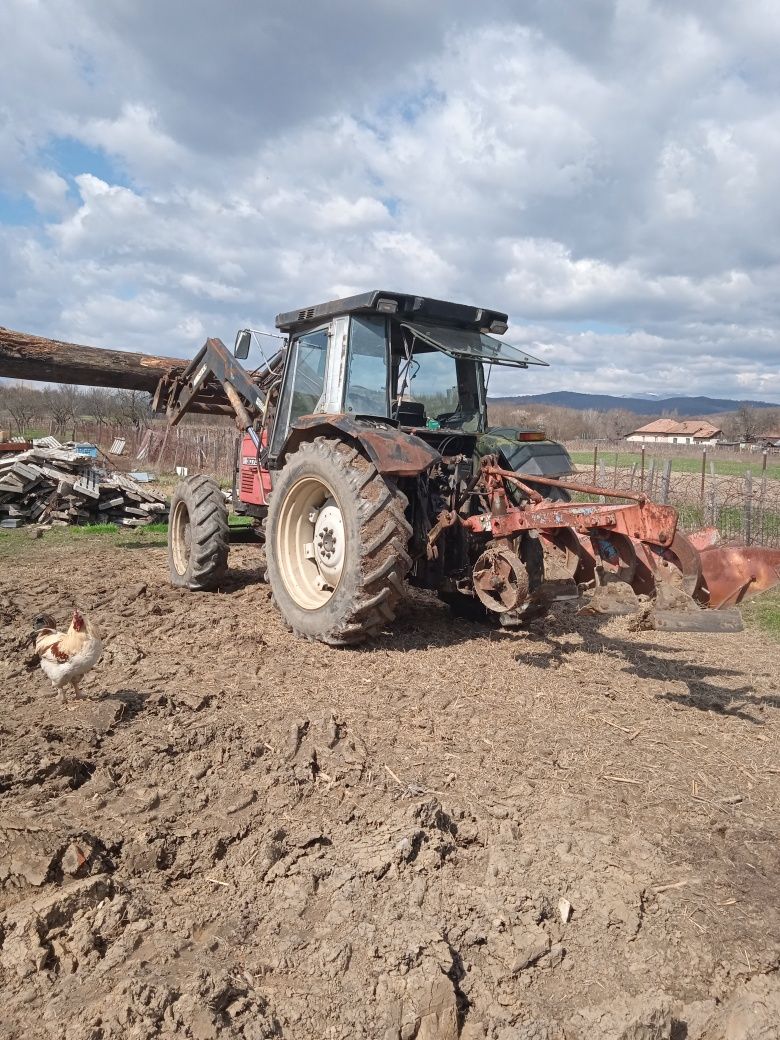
(714, 505)
(602, 477)
(651, 478)
(762, 502)
(642, 477)
(633, 474)
(748, 508)
(703, 470)
(665, 482)
(595, 460)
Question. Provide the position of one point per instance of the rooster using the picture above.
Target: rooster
(66, 656)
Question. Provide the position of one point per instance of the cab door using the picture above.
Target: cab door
(303, 385)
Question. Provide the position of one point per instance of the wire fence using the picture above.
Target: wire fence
(744, 507)
(165, 449)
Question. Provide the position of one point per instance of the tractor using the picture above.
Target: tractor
(359, 435)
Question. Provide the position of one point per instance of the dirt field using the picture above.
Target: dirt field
(242, 835)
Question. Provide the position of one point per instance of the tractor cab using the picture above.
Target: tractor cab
(392, 362)
(414, 361)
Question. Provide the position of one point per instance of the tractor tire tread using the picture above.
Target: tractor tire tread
(384, 536)
(209, 534)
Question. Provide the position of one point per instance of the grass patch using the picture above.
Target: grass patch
(13, 542)
(681, 464)
(84, 530)
(18, 543)
(764, 612)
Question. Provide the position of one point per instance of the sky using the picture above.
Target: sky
(606, 171)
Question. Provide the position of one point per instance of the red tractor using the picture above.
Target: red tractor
(367, 460)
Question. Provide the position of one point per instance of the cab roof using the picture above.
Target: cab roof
(420, 308)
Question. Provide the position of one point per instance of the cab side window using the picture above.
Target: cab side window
(367, 368)
(303, 384)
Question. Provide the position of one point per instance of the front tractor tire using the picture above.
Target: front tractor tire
(198, 535)
(336, 543)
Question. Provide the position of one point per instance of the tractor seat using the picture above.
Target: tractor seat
(410, 413)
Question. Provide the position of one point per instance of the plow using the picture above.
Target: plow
(366, 461)
(617, 552)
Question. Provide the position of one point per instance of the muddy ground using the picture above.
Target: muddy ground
(569, 833)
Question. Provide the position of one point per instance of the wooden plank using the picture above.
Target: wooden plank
(698, 620)
(110, 503)
(81, 487)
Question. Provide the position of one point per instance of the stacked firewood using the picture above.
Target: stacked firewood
(54, 486)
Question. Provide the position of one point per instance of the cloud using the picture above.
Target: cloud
(605, 172)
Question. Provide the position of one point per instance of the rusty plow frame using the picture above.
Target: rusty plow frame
(616, 551)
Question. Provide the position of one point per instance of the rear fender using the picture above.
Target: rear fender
(393, 452)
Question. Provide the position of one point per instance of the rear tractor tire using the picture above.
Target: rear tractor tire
(336, 544)
(198, 535)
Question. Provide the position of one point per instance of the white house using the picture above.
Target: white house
(672, 431)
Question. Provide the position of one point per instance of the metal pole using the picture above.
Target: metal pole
(642, 476)
(703, 470)
(748, 506)
(595, 460)
(762, 500)
(665, 482)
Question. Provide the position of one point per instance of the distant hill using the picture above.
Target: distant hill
(683, 406)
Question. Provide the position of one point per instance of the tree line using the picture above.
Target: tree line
(569, 424)
(60, 409)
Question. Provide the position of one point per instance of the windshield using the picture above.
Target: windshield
(434, 389)
(471, 343)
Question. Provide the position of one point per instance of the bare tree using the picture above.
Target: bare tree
(133, 406)
(98, 404)
(747, 424)
(24, 406)
(63, 404)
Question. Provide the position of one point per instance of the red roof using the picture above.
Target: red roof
(699, 428)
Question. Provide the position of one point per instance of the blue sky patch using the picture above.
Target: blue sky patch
(17, 210)
(70, 157)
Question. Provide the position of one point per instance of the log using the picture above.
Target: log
(23, 356)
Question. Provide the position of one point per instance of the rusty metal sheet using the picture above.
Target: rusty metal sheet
(705, 538)
(735, 573)
(678, 564)
(393, 452)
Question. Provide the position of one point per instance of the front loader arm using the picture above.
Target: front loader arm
(214, 381)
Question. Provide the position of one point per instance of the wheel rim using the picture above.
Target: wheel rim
(181, 537)
(500, 580)
(310, 543)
